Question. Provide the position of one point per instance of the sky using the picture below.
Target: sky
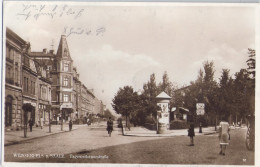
(117, 45)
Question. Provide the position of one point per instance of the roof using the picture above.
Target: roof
(181, 110)
(163, 95)
(63, 48)
(14, 36)
(184, 109)
(41, 54)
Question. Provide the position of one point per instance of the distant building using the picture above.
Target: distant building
(179, 112)
(44, 94)
(90, 101)
(99, 107)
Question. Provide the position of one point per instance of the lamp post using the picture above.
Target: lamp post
(48, 108)
(61, 125)
(25, 122)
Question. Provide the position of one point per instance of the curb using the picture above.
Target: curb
(210, 133)
(20, 142)
(164, 135)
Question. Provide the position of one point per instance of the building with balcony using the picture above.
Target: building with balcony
(14, 50)
(44, 79)
(26, 82)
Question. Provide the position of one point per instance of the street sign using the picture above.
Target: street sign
(200, 111)
(66, 105)
(200, 105)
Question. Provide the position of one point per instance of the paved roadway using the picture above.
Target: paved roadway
(82, 139)
(92, 145)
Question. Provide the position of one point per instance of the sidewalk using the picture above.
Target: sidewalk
(143, 132)
(15, 137)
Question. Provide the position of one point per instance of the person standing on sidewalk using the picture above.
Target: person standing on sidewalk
(223, 136)
(30, 124)
(41, 122)
(191, 133)
(70, 125)
(109, 126)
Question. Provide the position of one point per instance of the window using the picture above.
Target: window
(27, 84)
(24, 84)
(7, 52)
(44, 93)
(8, 72)
(11, 53)
(65, 53)
(65, 97)
(49, 68)
(16, 75)
(66, 81)
(31, 87)
(66, 67)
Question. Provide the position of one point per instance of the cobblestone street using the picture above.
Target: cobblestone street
(92, 145)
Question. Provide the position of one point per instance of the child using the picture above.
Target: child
(191, 133)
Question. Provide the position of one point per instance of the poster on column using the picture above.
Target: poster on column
(164, 114)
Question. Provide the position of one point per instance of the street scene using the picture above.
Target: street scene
(128, 84)
(130, 148)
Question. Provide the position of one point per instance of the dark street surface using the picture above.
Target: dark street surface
(93, 146)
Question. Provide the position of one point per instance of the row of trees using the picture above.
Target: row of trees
(231, 96)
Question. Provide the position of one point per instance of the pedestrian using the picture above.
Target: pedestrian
(191, 133)
(109, 126)
(223, 135)
(30, 124)
(70, 125)
(41, 122)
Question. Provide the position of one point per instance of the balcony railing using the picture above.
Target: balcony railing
(9, 80)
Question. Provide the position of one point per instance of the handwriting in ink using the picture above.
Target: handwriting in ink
(51, 11)
(83, 31)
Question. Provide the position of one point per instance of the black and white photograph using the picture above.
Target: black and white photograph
(122, 83)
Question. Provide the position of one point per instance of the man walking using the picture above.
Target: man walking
(30, 124)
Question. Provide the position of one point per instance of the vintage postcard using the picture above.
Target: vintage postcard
(102, 83)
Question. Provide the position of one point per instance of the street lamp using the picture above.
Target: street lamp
(61, 117)
(48, 108)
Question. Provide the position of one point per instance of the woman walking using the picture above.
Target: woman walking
(109, 126)
(191, 133)
(223, 136)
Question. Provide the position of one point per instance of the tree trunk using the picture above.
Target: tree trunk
(216, 122)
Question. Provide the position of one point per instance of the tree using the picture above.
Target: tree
(251, 81)
(107, 114)
(203, 90)
(225, 93)
(166, 85)
(150, 92)
(124, 102)
(251, 63)
(242, 93)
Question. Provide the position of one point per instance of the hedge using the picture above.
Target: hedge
(179, 124)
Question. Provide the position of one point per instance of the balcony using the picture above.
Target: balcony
(9, 60)
(9, 80)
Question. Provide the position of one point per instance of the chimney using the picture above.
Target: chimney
(52, 51)
(44, 50)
